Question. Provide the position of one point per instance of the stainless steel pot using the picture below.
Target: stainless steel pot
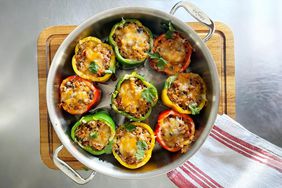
(100, 26)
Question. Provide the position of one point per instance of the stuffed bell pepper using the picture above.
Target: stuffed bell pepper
(185, 93)
(171, 52)
(174, 131)
(94, 133)
(131, 41)
(133, 144)
(93, 60)
(78, 95)
(134, 97)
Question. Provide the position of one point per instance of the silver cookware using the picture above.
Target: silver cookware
(99, 26)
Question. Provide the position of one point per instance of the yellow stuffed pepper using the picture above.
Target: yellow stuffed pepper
(94, 60)
(185, 93)
(133, 144)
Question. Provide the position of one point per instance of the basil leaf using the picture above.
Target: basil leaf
(129, 127)
(149, 94)
(171, 30)
(93, 67)
(161, 61)
(194, 108)
(141, 147)
(93, 134)
(108, 148)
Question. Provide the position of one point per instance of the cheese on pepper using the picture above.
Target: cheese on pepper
(133, 41)
(133, 146)
(92, 52)
(78, 95)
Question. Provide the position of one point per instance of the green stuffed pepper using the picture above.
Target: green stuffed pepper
(134, 97)
(94, 133)
(131, 41)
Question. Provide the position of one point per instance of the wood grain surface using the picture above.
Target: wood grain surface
(221, 46)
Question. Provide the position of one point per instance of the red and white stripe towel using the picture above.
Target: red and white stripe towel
(231, 157)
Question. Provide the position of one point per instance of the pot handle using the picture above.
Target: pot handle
(197, 14)
(69, 171)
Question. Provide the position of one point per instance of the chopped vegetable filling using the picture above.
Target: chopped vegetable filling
(133, 41)
(94, 134)
(131, 98)
(187, 92)
(76, 95)
(170, 55)
(93, 58)
(132, 144)
(176, 132)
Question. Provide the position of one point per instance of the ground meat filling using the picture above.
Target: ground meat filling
(177, 132)
(94, 134)
(125, 145)
(130, 100)
(187, 90)
(91, 51)
(133, 41)
(76, 95)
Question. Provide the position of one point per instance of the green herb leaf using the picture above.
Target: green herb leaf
(93, 134)
(108, 148)
(93, 67)
(164, 26)
(188, 69)
(141, 147)
(129, 127)
(149, 94)
(108, 71)
(106, 40)
(122, 19)
(170, 80)
(170, 31)
(161, 61)
(154, 55)
(194, 108)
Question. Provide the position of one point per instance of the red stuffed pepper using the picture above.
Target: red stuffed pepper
(78, 95)
(171, 54)
(174, 131)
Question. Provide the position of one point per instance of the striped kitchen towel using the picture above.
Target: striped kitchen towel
(231, 157)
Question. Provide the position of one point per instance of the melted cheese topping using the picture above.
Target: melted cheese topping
(101, 132)
(173, 50)
(130, 98)
(76, 95)
(91, 51)
(187, 89)
(133, 41)
(125, 144)
(176, 51)
(128, 145)
(176, 133)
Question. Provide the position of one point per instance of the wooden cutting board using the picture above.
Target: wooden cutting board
(221, 46)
